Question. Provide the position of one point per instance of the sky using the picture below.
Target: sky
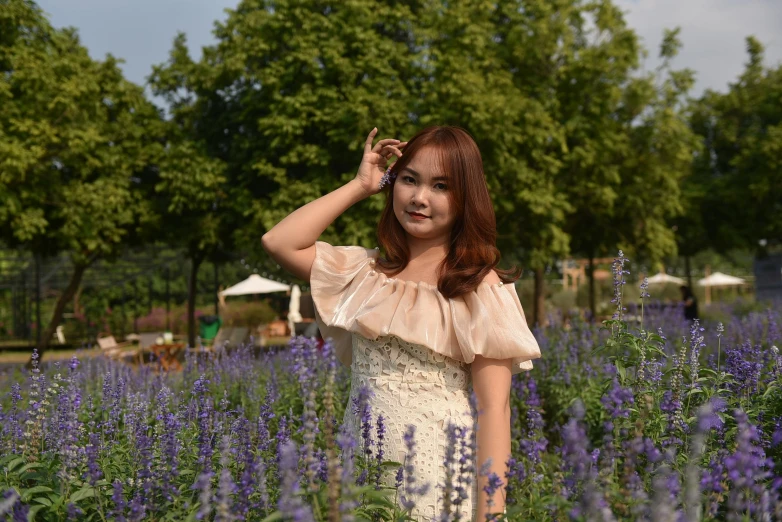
(713, 32)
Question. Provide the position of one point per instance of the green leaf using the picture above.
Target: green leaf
(85, 492)
(33, 511)
(32, 465)
(277, 515)
(26, 494)
(16, 462)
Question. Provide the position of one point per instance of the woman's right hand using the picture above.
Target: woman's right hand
(375, 162)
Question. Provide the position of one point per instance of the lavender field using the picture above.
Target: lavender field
(652, 419)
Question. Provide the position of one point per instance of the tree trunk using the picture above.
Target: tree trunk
(59, 308)
(77, 301)
(539, 308)
(688, 270)
(592, 299)
(191, 297)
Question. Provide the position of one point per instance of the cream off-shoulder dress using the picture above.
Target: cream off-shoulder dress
(413, 347)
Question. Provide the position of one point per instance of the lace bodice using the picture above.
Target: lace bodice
(393, 359)
(410, 384)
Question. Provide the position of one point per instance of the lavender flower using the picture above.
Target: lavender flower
(617, 399)
(118, 511)
(381, 435)
(411, 490)
(290, 502)
(618, 271)
(747, 468)
(204, 487)
(225, 485)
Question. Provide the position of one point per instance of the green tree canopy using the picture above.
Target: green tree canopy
(76, 142)
(735, 192)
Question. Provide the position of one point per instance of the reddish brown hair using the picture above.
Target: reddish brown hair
(473, 253)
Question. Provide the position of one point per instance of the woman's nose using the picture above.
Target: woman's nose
(420, 195)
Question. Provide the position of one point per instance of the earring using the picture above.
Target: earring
(387, 177)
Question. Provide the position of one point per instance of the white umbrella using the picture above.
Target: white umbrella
(720, 279)
(294, 316)
(662, 278)
(255, 284)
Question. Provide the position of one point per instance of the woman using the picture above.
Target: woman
(689, 302)
(431, 320)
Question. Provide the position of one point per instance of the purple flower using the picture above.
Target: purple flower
(94, 473)
(225, 485)
(74, 511)
(118, 511)
(696, 343)
(381, 434)
(290, 502)
(576, 458)
(618, 271)
(347, 445)
(493, 483)
(616, 400)
(410, 489)
(747, 469)
(665, 503)
(204, 487)
(644, 288)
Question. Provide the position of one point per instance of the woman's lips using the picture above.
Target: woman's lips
(417, 216)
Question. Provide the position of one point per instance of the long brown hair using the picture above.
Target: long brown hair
(473, 252)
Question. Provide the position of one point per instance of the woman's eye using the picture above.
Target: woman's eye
(407, 178)
(443, 185)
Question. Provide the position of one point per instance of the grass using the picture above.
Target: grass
(17, 357)
(54, 354)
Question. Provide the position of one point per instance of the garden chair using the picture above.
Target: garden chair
(223, 335)
(111, 348)
(238, 336)
(60, 334)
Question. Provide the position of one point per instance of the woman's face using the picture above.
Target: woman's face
(418, 189)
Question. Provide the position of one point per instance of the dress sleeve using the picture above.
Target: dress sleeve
(491, 322)
(334, 270)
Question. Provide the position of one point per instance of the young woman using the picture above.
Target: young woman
(431, 320)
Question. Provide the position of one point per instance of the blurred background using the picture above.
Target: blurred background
(147, 146)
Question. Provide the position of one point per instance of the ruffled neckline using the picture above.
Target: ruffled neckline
(351, 296)
(422, 284)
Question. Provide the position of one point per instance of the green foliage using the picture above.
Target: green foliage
(734, 192)
(74, 137)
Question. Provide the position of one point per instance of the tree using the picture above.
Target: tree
(192, 187)
(76, 142)
(598, 64)
(662, 150)
(484, 75)
(279, 103)
(736, 185)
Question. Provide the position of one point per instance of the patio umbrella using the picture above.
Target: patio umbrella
(663, 278)
(720, 279)
(255, 284)
(293, 309)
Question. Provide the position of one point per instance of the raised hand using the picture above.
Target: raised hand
(375, 161)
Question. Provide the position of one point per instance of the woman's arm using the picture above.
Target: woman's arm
(291, 242)
(491, 380)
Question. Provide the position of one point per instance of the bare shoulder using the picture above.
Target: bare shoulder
(492, 278)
